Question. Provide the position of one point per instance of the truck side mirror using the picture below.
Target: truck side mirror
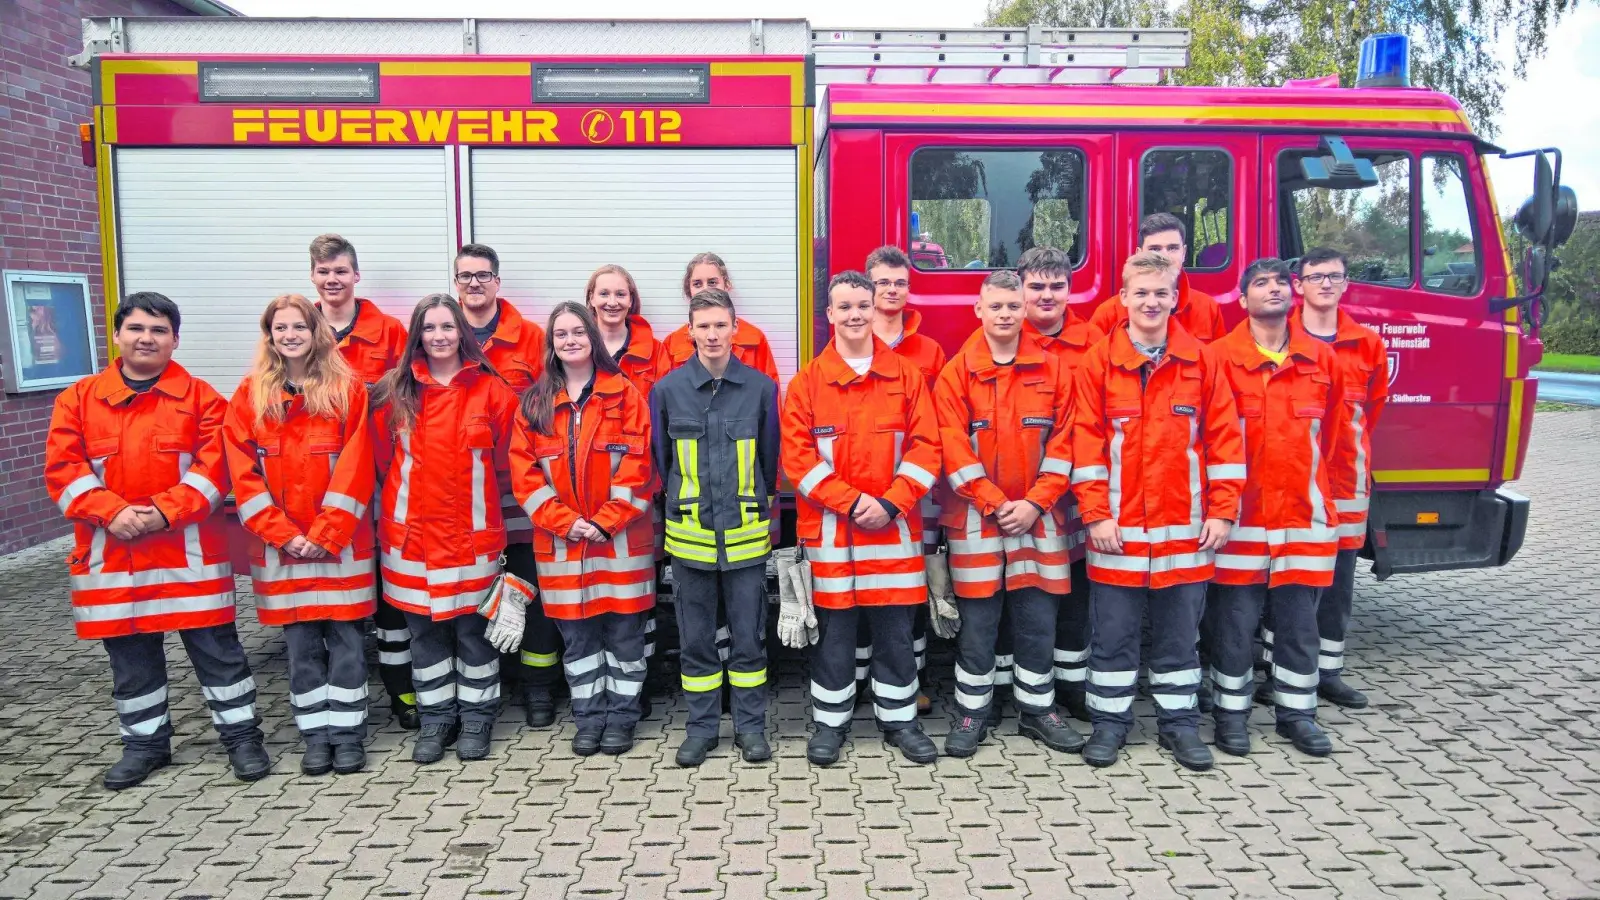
(1537, 214)
(1566, 216)
(1337, 168)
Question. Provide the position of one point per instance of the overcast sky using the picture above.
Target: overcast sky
(1554, 106)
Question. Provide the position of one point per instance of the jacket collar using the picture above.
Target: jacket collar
(508, 330)
(1075, 332)
(746, 334)
(368, 326)
(640, 338)
(736, 371)
(980, 359)
(468, 374)
(109, 386)
(837, 371)
(605, 385)
(1240, 345)
(1347, 329)
(1180, 345)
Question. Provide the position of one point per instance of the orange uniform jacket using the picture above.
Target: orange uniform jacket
(596, 465)
(1069, 345)
(644, 361)
(1364, 362)
(1197, 312)
(846, 435)
(925, 353)
(439, 527)
(1293, 418)
(749, 347)
(311, 476)
(1005, 436)
(375, 345)
(1159, 459)
(110, 448)
(516, 350)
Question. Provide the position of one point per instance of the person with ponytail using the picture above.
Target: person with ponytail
(581, 468)
(441, 434)
(300, 457)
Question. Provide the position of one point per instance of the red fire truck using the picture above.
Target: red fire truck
(223, 146)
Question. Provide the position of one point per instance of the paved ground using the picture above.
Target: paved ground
(1475, 774)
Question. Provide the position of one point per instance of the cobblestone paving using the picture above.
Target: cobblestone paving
(1476, 773)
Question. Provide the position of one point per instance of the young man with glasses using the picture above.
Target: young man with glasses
(515, 346)
(890, 273)
(1321, 278)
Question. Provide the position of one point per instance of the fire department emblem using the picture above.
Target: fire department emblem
(1394, 367)
(597, 126)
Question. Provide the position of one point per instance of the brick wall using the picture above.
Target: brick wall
(47, 214)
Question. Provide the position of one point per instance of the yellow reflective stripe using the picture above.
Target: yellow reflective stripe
(747, 532)
(742, 552)
(747, 679)
(747, 466)
(689, 469)
(691, 531)
(408, 699)
(699, 684)
(540, 660)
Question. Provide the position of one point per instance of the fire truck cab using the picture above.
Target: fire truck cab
(222, 147)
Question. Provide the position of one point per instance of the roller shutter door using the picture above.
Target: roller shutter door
(554, 216)
(223, 231)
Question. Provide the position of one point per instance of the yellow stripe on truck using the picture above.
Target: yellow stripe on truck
(1132, 112)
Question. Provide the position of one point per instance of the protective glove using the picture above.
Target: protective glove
(801, 573)
(942, 614)
(505, 606)
(791, 610)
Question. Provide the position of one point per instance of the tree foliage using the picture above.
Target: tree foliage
(1266, 42)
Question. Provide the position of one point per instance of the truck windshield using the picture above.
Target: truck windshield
(983, 208)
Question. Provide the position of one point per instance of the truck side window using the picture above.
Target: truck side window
(1197, 187)
(1371, 225)
(1449, 240)
(981, 208)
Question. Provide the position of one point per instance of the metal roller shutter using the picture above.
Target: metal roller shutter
(554, 216)
(222, 231)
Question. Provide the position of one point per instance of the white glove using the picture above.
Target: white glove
(791, 605)
(505, 608)
(942, 613)
(801, 573)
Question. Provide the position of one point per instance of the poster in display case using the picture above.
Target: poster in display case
(49, 325)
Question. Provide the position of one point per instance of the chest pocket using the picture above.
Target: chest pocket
(1187, 395)
(477, 435)
(1124, 399)
(1311, 395)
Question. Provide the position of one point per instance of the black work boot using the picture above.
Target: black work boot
(1102, 748)
(1335, 691)
(587, 741)
(474, 741)
(1306, 737)
(432, 740)
(1052, 732)
(250, 761)
(693, 751)
(1233, 735)
(825, 744)
(753, 746)
(616, 739)
(914, 744)
(1187, 749)
(133, 768)
(317, 759)
(349, 758)
(538, 706)
(406, 714)
(965, 736)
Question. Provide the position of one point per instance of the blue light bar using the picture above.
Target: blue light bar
(1385, 61)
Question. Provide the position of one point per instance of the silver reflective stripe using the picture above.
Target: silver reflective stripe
(591, 690)
(1080, 474)
(1305, 563)
(233, 716)
(1353, 529)
(489, 670)
(193, 551)
(1158, 535)
(1194, 474)
(814, 477)
(1294, 679)
(480, 512)
(1114, 480)
(1173, 561)
(584, 665)
(205, 486)
(1031, 678)
(139, 609)
(1119, 562)
(623, 687)
(142, 702)
(1113, 679)
(893, 581)
(1053, 466)
(965, 475)
(329, 692)
(1327, 646)
(1329, 663)
(249, 508)
(973, 701)
(823, 695)
(624, 665)
(1232, 682)
(1072, 656)
(442, 694)
(829, 718)
(1294, 701)
(345, 502)
(539, 498)
(330, 719)
(402, 494)
(486, 567)
(229, 692)
(1178, 678)
(438, 670)
(1109, 704)
(1232, 702)
(1319, 509)
(78, 488)
(1225, 470)
(1176, 701)
(394, 658)
(1358, 505)
(915, 473)
(1317, 534)
(1358, 424)
(901, 714)
(893, 691)
(145, 728)
(1241, 563)
(467, 694)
